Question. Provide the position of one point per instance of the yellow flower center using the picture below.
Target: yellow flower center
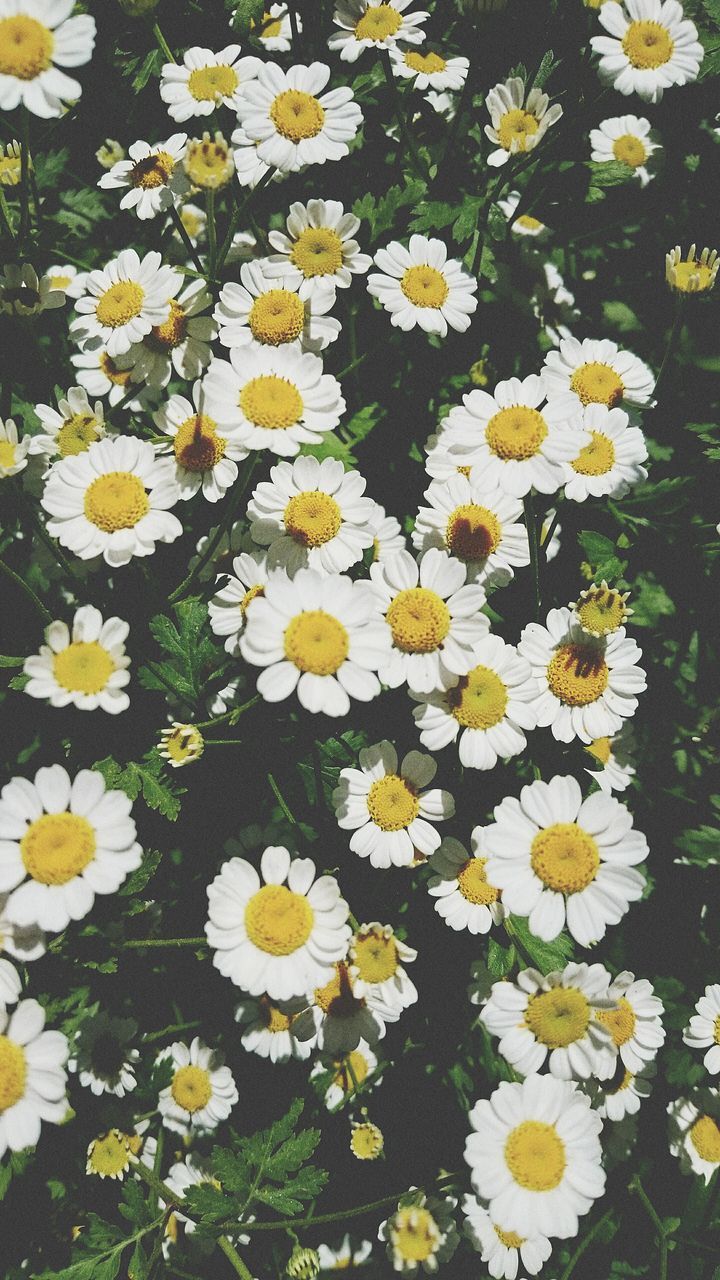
(515, 128)
(110, 1155)
(165, 337)
(602, 611)
(336, 997)
(600, 749)
(629, 150)
(647, 45)
(419, 620)
(473, 532)
(691, 276)
(152, 171)
(10, 166)
(275, 1020)
(57, 847)
(208, 163)
(83, 667)
(277, 316)
(415, 1234)
(577, 674)
(317, 252)
(210, 84)
(621, 1080)
(118, 377)
(620, 1022)
(530, 224)
(271, 402)
(182, 743)
(516, 433)
(13, 1070)
(277, 920)
(429, 63)
(115, 501)
(559, 1017)
(120, 303)
(192, 222)
(479, 699)
(705, 1137)
(716, 1030)
(191, 1088)
(597, 383)
(509, 1238)
(535, 1156)
(565, 857)
(378, 23)
(473, 884)
(297, 115)
(312, 518)
(269, 27)
(375, 956)
(26, 47)
(597, 458)
(392, 804)
(366, 1141)
(425, 286)
(256, 590)
(350, 1069)
(7, 453)
(76, 434)
(316, 642)
(198, 447)
(59, 282)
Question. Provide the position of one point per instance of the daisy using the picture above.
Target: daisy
(341, 1077)
(181, 344)
(430, 69)
(203, 458)
(319, 635)
(292, 121)
(205, 80)
(85, 667)
(615, 756)
(594, 372)
(518, 123)
(69, 429)
(273, 29)
(32, 1072)
(554, 1019)
(319, 242)
(650, 47)
(525, 225)
(277, 400)
(62, 843)
(703, 1030)
(13, 449)
(250, 170)
(124, 301)
(343, 1017)
(421, 286)
(694, 1131)
(620, 1097)
(434, 619)
(376, 959)
(465, 899)
(153, 178)
(478, 524)
(276, 1031)
(635, 1023)
(22, 942)
(267, 310)
(113, 1154)
(180, 744)
(626, 140)
(313, 515)
(366, 1140)
(37, 38)
(388, 537)
(10, 164)
(208, 161)
(194, 220)
(21, 292)
(113, 500)
(535, 1155)
(502, 1250)
(272, 937)
(101, 374)
(193, 1171)
(10, 984)
(228, 607)
(556, 856)
(109, 153)
(586, 686)
(421, 1234)
(612, 461)
(201, 1093)
(488, 707)
(372, 24)
(695, 273)
(67, 277)
(346, 1255)
(101, 1055)
(387, 810)
(601, 610)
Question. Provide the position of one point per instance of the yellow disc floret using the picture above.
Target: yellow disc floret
(597, 383)
(558, 1017)
(350, 1071)
(110, 1155)
(510, 1239)
(705, 1137)
(515, 129)
(118, 377)
(57, 847)
(378, 23)
(208, 162)
(366, 1141)
(26, 47)
(392, 803)
(317, 252)
(115, 501)
(428, 64)
(415, 1234)
(191, 1088)
(620, 1022)
(312, 518)
(83, 667)
(171, 333)
(630, 150)
(316, 642)
(565, 857)
(120, 303)
(516, 433)
(77, 434)
(479, 699)
(375, 955)
(473, 883)
(600, 749)
(297, 115)
(425, 286)
(577, 674)
(597, 457)
(277, 920)
(277, 316)
(197, 445)
(271, 402)
(473, 532)
(647, 45)
(535, 1156)
(601, 610)
(419, 620)
(13, 1071)
(210, 84)
(152, 171)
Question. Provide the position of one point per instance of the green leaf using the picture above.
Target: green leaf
(289, 1199)
(546, 956)
(545, 70)
(7, 661)
(144, 873)
(246, 13)
(609, 173)
(381, 214)
(701, 845)
(146, 777)
(500, 959)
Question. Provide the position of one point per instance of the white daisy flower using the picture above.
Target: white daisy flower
(556, 856)
(319, 635)
(376, 958)
(10, 984)
(14, 449)
(502, 1251)
(61, 843)
(205, 80)
(594, 372)
(291, 121)
(518, 123)
(344, 1018)
(311, 514)
(153, 177)
(124, 300)
(101, 374)
(208, 161)
(278, 1030)
(180, 744)
(372, 24)
(204, 459)
(21, 292)
(344, 1075)
(703, 1029)
(273, 29)
(113, 500)
(694, 273)
(113, 1154)
(194, 220)
(202, 1091)
(465, 899)
(620, 1097)
(601, 609)
(390, 815)
(429, 69)
(37, 38)
(346, 1255)
(66, 276)
(635, 1024)
(181, 344)
(84, 666)
(388, 537)
(249, 170)
(69, 429)
(268, 310)
(277, 400)
(478, 524)
(525, 224)
(612, 461)
(102, 1057)
(319, 243)
(650, 47)
(272, 937)
(626, 140)
(616, 758)
(33, 1077)
(228, 607)
(694, 1132)
(421, 286)
(434, 619)
(22, 942)
(421, 1234)
(586, 686)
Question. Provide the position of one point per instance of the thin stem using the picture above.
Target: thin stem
(319, 1220)
(5, 211)
(172, 1030)
(545, 544)
(25, 175)
(162, 43)
(211, 232)
(23, 585)
(281, 800)
(231, 511)
(160, 675)
(585, 1244)
(293, 25)
(674, 333)
(237, 215)
(180, 228)
(636, 1187)
(224, 742)
(233, 715)
(405, 133)
(532, 532)
(234, 1258)
(135, 943)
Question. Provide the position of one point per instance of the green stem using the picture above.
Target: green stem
(674, 334)
(211, 232)
(281, 800)
(405, 133)
(23, 585)
(180, 228)
(545, 544)
(5, 211)
(322, 1219)
(232, 508)
(585, 1244)
(233, 715)
(162, 43)
(25, 175)
(532, 532)
(635, 1187)
(136, 943)
(237, 215)
(160, 675)
(234, 1258)
(224, 742)
(172, 1030)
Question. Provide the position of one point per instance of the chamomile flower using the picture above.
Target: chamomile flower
(703, 1030)
(124, 300)
(180, 744)
(377, 958)
(204, 459)
(366, 1140)
(372, 24)
(14, 449)
(152, 178)
(625, 140)
(32, 1071)
(276, 1030)
(344, 1017)
(386, 807)
(622, 1095)
(71, 428)
(601, 610)
(346, 1255)
(62, 843)
(10, 984)
(193, 1171)
(478, 523)
(22, 942)
(342, 1076)
(292, 121)
(502, 1251)
(228, 607)
(519, 120)
(10, 164)
(101, 1055)
(695, 273)
(557, 857)
(594, 372)
(204, 81)
(249, 170)
(113, 1154)
(651, 46)
(319, 243)
(181, 344)
(273, 29)
(614, 757)
(277, 400)
(429, 69)
(694, 1132)
(421, 1234)
(388, 537)
(267, 310)
(194, 220)
(112, 500)
(202, 1091)
(209, 162)
(586, 686)
(464, 897)
(525, 224)
(21, 292)
(101, 374)
(109, 153)
(635, 1023)
(37, 39)
(313, 515)
(612, 462)
(66, 276)
(420, 285)
(84, 666)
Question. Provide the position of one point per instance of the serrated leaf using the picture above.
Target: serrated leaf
(500, 959)
(138, 879)
(545, 956)
(289, 1199)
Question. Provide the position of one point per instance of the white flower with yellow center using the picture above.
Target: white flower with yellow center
(193, 1171)
(478, 523)
(181, 344)
(124, 300)
(366, 1140)
(594, 372)
(518, 122)
(502, 1251)
(279, 935)
(276, 1030)
(622, 1095)
(201, 1093)
(10, 984)
(313, 515)
(152, 178)
(319, 243)
(341, 1077)
(535, 1156)
(434, 619)
(113, 1154)
(273, 28)
(71, 428)
(624, 140)
(204, 81)
(651, 46)
(228, 607)
(37, 38)
(429, 69)
(61, 843)
(489, 707)
(343, 1016)
(390, 815)
(101, 374)
(694, 1132)
(180, 744)
(587, 687)
(194, 220)
(21, 292)
(208, 161)
(376, 959)
(635, 1023)
(601, 610)
(319, 635)
(113, 500)
(32, 1075)
(372, 24)
(84, 667)
(249, 170)
(291, 122)
(13, 449)
(101, 1055)
(204, 459)
(612, 462)
(464, 897)
(421, 1234)
(421, 286)
(388, 537)
(109, 153)
(66, 276)
(268, 310)
(557, 857)
(346, 1256)
(22, 942)
(694, 273)
(11, 165)
(703, 1029)
(524, 225)
(277, 400)
(614, 759)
